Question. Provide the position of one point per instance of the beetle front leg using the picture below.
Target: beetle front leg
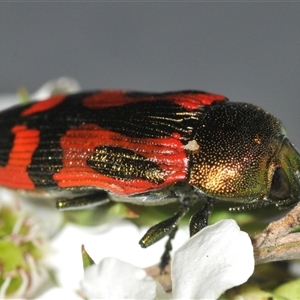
(200, 219)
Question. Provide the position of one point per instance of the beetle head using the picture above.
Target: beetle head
(285, 172)
(244, 156)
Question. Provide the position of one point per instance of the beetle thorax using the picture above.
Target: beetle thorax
(236, 144)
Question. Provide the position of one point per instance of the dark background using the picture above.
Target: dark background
(249, 52)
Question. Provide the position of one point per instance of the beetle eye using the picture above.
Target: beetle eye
(280, 188)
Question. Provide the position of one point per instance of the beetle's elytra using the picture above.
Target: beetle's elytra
(149, 149)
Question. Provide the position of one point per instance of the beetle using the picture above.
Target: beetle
(93, 147)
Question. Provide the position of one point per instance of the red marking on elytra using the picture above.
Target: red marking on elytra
(79, 143)
(14, 174)
(195, 101)
(107, 98)
(113, 98)
(42, 106)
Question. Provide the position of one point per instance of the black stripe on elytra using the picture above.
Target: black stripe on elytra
(6, 144)
(124, 164)
(152, 119)
(136, 94)
(53, 124)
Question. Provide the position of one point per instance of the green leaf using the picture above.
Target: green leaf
(249, 292)
(289, 290)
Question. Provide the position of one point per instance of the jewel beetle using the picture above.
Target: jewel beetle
(149, 149)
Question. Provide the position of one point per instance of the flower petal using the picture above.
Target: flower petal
(115, 279)
(59, 293)
(217, 258)
(61, 85)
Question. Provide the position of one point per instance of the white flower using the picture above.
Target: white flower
(61, 85)
(217, 258)
(120, 280)
(59, 293)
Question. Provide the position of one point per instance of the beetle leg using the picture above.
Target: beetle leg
(83, 201)
(166, 257)
(164, 228)
(200, 219)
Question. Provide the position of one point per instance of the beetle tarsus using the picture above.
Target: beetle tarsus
(166, 257)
